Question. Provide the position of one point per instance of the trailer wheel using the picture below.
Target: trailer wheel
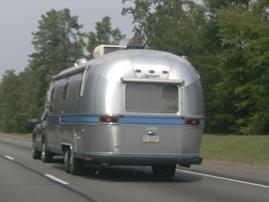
(76, 165)
(164, 170)
(35, 153)
(67, 160)
(46, 156)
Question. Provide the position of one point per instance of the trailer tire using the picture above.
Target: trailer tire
(35, 153)
(67, 160)
(164, 170)
(76, 165)
(46, 156)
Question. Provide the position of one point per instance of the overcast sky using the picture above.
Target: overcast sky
(18, 19)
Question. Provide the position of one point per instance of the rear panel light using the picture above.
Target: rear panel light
(108, 119)
(192, 121)
(165, 72)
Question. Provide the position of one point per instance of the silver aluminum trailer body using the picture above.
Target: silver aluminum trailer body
(129, 107)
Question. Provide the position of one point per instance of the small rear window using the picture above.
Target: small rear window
(52, 94)
(66, 89)
(151, 98)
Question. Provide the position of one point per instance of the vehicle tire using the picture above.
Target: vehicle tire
(164, 170)
(76, 165)
(35, 153)
(46, 156)
(67, 161)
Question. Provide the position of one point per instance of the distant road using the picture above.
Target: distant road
(25, 180)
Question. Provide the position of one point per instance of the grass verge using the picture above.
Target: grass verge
(246, 150)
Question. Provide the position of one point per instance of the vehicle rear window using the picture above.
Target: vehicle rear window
(66, 88)
(52, 94)
(151, 98)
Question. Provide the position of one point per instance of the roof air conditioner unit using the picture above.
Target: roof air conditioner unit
(101, 50)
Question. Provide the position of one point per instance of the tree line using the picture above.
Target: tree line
(226, 40)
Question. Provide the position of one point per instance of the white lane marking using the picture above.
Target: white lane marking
(56, 179)
(225, 178)
(9, 157)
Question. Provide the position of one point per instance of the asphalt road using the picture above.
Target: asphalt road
(26, 180)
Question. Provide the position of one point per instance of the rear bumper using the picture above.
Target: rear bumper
(138, 159)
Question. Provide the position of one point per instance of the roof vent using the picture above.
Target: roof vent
(101, 50)
(80, 62)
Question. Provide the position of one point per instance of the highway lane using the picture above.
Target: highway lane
(24, 179)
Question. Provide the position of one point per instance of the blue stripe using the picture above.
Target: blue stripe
(76, 119)
(142, 120)
(151, 120)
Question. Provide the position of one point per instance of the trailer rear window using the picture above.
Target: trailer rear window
(66, 88)
(151, 98)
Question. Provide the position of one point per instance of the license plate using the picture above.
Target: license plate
(151, 139)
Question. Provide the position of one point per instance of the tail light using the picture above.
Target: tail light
(165, 72)
(192, 121)
(108, 119)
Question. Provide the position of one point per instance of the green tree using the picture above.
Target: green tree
(58, 44)
(27, 108)
(217, 4)
(180, 27)
(104, 34)
(9, 96)
(244, 35)
(140, 11)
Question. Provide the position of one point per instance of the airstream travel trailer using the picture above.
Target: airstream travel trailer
(127, 107)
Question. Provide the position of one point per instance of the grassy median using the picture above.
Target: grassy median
(239, 149)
